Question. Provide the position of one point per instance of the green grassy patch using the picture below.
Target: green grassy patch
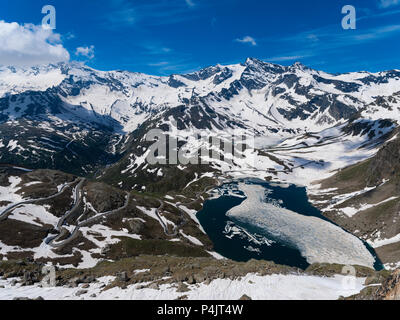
(130, 248)
(357, 172)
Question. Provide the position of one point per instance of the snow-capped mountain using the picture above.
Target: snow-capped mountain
(49, 114)
(288, 95)
(308, 125)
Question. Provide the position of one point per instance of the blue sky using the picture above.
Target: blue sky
(162, 37)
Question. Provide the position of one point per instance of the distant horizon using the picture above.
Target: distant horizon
(161, 38)
(83, 63)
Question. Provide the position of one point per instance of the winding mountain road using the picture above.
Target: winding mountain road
(77, 202)
(6, 212)
(107, 213)
(53, 242)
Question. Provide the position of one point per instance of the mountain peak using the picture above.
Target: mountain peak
(299, 66)
(203, 74)
(255, 61)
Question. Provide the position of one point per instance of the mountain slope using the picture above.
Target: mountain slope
(365, 199)
(72, 105)
(302, 125)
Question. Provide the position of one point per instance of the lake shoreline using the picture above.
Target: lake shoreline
(242, 240)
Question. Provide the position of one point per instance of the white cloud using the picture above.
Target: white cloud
(247, 39)
(69, 36)
(29, 45)
(388, 3)
(125, 16)
(87, 52)
(156, 49)
(378, 33)
(190, 3)
(159, 64)
(287, 58)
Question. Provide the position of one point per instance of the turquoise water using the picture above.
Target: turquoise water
(242, 243)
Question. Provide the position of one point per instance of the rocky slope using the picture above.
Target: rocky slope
(381, 287)
(51, 216)
(364, 198)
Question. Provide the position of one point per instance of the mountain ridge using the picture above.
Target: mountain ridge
(263, 98)
(306, 125)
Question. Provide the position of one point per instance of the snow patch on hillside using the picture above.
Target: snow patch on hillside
(272, 287)
(17, 80)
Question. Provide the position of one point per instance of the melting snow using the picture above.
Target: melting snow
(316, 239)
